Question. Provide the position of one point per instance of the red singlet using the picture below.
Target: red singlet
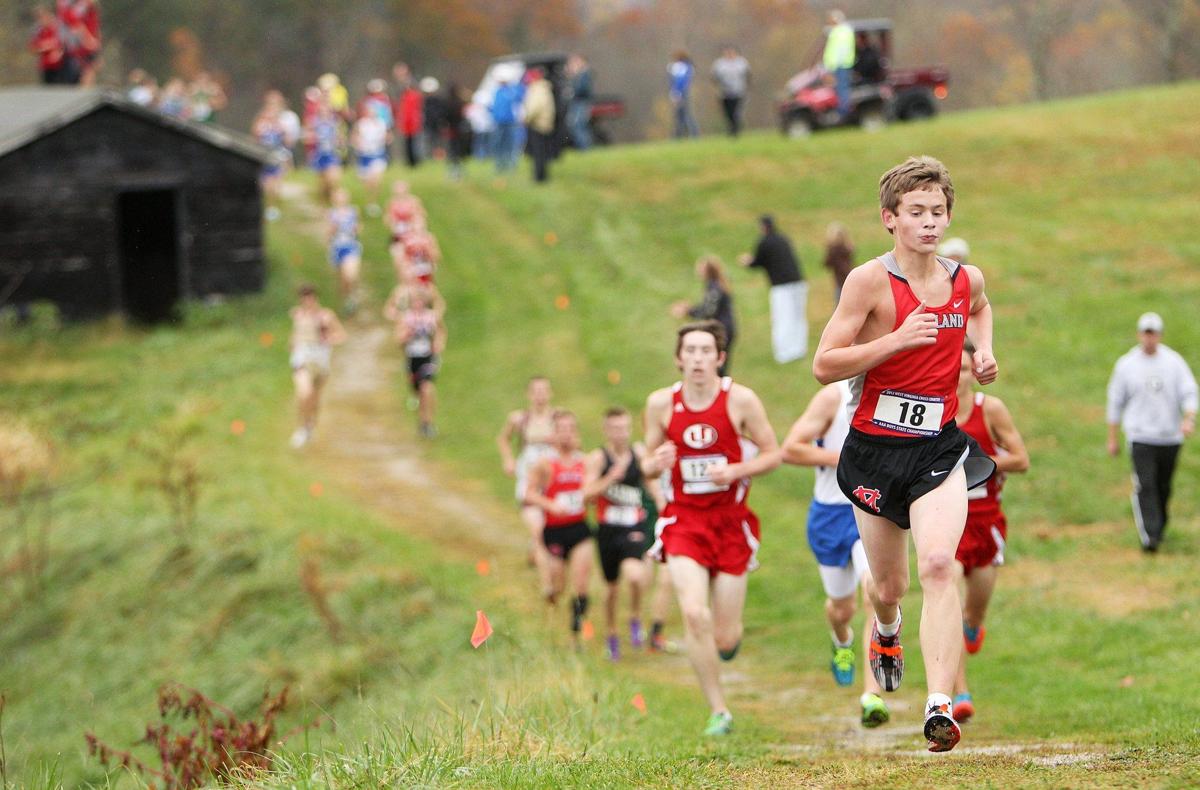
(915, 392)
(703, 438)
(983, 502)
(566, 489)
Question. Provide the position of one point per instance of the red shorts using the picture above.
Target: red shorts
(982, 542)
(721, 539)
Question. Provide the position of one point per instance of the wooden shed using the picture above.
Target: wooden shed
(109, 206)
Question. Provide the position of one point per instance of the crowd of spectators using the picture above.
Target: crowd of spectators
(199, 99)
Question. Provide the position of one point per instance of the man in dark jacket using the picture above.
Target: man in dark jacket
(789, 291)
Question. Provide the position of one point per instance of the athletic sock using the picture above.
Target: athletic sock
(840, 644)
(579, 606)
(888, 629)
(937, 701)
(656, 628)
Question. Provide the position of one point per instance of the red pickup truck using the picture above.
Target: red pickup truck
(878, 92)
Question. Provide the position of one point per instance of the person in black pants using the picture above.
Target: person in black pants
(1152, 397)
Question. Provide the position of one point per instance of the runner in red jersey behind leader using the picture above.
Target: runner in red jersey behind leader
(898, 334)
(985, 419)
(707, 534)
(556, 485)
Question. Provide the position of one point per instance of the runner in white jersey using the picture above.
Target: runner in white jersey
(369, 139)
(533, 430)
(816, 440)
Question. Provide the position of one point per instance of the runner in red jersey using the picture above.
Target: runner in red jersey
(707, 534)
(985, 419)
(898, 333)
(556, 486)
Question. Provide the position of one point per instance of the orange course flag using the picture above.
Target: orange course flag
(639, 702)
(483, 629)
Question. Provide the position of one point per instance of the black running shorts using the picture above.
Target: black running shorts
(559, 541)
(616, 545)
(421, 369)
(884, 475)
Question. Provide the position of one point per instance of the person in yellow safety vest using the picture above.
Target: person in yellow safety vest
(839, 58)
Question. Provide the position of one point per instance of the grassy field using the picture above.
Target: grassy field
(1078, 213)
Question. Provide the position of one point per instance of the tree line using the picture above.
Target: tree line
(997, 53)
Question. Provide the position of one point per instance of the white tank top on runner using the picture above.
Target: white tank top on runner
(826, 490)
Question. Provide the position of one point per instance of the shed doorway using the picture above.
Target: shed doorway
(147, 223)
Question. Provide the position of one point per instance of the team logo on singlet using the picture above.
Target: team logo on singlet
(699, 436)
(869, 497)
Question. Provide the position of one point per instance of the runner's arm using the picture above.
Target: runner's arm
(660, 452)
(539, 477)
(594, 483)
(651, 483)
(800, 448)
(504, 443)
(440, 337)
(838, 357)
(1015, 457)
(337, 332)
(755, 426)
(979, 329)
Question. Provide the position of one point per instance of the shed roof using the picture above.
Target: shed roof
(29, 113)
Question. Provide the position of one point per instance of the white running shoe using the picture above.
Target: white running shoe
(299, 438)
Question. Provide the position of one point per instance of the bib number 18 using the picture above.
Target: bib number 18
(918, 415)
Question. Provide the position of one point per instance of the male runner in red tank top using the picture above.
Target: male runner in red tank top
(707, 535)
(556, 486)
(898, 334)
(980, 553)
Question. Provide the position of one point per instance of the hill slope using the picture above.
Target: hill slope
(1066, 206)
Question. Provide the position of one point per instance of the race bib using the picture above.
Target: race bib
(570, 501)
(623, 515)
(920, 415)
(419, 347)
(694, 470)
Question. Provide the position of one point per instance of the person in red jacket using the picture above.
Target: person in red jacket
(410, 120)
(47, 44)
(81, 21)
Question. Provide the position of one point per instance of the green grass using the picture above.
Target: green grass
(1080, 216)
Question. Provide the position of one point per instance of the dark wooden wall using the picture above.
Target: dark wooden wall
(58, 211)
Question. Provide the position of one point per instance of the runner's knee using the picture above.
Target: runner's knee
(889, 592)
(937, 568)
(840, 610)
(698, 618)
(728, 636)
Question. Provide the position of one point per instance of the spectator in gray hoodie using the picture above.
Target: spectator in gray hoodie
(1152, 396)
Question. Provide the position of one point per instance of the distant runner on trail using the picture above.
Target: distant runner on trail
(816, 440)
(533, 429)
(616, 483)
(556, 487)
(898, 334)
(707, 534)
(985, 419)
(421, 331)
(315, 329)
(345, 250)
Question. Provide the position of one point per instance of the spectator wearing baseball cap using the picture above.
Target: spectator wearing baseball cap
(1152, 396)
